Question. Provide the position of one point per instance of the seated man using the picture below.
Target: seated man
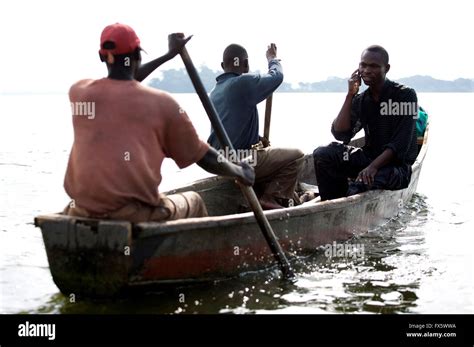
(114, 169)
(235, 98)
(387, 112)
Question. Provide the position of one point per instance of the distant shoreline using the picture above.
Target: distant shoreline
(177, 82)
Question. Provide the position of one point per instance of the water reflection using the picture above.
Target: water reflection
(383, 281)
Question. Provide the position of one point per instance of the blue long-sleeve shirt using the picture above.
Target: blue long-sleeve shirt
(235, 98)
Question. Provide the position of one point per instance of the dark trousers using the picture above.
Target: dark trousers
(336, 163)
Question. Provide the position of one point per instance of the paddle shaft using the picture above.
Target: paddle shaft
(247, 191)
(268, 117)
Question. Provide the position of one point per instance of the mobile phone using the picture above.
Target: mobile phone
(359, 77)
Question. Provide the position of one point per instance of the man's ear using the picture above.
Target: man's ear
(387, 68)
(246, 64)
(222, 66)
(110, 58)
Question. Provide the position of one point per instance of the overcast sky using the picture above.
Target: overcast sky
(48, 45)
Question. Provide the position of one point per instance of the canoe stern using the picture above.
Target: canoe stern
(87, 257)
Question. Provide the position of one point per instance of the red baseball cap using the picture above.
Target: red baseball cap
(123, 37)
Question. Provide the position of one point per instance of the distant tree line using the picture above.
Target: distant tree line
(177, 81)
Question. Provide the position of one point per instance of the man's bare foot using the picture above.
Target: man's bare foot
(308, 196)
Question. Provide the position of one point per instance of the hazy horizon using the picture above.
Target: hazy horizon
(65, 91)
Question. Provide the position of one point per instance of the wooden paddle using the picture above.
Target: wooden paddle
(247, 191)
(268, 117)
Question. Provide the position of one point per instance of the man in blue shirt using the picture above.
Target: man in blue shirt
(235, 98)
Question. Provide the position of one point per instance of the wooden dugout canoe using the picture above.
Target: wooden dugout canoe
(100, 258)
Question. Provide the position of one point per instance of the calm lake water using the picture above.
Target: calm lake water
(419, 262)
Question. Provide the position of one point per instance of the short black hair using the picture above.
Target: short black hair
(232, 52)
(379, 49)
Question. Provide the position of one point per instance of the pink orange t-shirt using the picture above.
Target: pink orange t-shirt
(122, 133)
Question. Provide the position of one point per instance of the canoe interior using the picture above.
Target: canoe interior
(100, 258)
(223, 197)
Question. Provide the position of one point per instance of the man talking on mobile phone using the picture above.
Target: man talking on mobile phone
(387, 112)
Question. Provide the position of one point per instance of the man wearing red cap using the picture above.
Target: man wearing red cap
(114, 169)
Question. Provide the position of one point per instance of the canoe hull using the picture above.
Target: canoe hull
(221, 248)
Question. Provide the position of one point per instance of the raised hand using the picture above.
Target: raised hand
(271, 51)
(354, 83)
(176, 42)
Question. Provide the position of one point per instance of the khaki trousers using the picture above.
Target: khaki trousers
(172, 207)
(277, 170)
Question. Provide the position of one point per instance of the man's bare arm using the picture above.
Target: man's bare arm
(216, 164)
(176, 42)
